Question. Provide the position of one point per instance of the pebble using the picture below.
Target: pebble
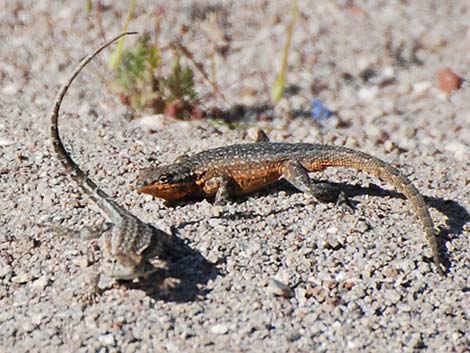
(448, 80)
(389, 146)
(48, 201)
(172, 347)
(5, 268)
(460, 151)
(6, 142)
(152, 122)
(420, 88)
(40, 283)
(219, 329)
(36, 319)
(368, 93)
(107, 340)
(279, 289)
(21, 278)
(28, 326)
(392, 296)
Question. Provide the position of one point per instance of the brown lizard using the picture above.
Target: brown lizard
(243, 168)
(131, 242)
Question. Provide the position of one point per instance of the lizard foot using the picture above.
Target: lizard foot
(95, 285)
(326, 192)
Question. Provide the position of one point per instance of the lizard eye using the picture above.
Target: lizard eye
(164, 178)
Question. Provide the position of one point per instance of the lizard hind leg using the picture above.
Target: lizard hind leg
(120, 269)
(297, 175)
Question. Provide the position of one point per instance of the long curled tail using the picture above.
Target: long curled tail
(81, 178)
(362, 161)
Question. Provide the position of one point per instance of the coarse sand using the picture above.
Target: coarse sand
(271, 271)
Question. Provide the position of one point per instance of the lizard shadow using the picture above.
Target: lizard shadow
(456, 215)
(183, 278)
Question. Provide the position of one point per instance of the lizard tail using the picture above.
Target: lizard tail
(362, 161)
(66, 160)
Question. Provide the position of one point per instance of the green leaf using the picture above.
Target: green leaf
(115, 59)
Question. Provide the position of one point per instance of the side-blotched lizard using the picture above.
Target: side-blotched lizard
(241, 169)
(128, 243)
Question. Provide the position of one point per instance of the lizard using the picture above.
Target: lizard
(128, 243)
(243, 168)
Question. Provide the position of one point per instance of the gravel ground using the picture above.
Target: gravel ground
(272, 272)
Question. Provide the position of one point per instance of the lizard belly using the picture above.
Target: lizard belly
(240, 182)
(254, 180)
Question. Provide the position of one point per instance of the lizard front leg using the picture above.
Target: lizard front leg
(88, 233)
(297, 175)
(222, 186)
(260, 135)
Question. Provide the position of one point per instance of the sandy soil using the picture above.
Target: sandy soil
(362, 281)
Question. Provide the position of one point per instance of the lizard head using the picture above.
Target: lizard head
(170, 182)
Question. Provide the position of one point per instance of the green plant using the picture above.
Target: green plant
(142, 88)
(179, 85)
(278, 88)
(136, 78)
(116, 55)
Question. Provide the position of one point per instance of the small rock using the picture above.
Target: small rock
(219, 329)
(40, 283)
(214, 222)
(391, 272)
(172, 347)
(279, 289)
(6, 142)
(392, 296)
(28, 326)
(448, 80)
(389, 146)
(10, 90)
(302, 296)
(421, 87)
(217, 211)
(21, 278)
(107, 340)
(332, 230)
(37, 319)
(151, 122)
(362, 226)
(5, 268)
(316, 292)
(388, 72)
(214, 257)
(404, 307)
(368, 93)
(460, 151)
(48, 201)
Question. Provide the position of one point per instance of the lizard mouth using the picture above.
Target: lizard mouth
(165, 191)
